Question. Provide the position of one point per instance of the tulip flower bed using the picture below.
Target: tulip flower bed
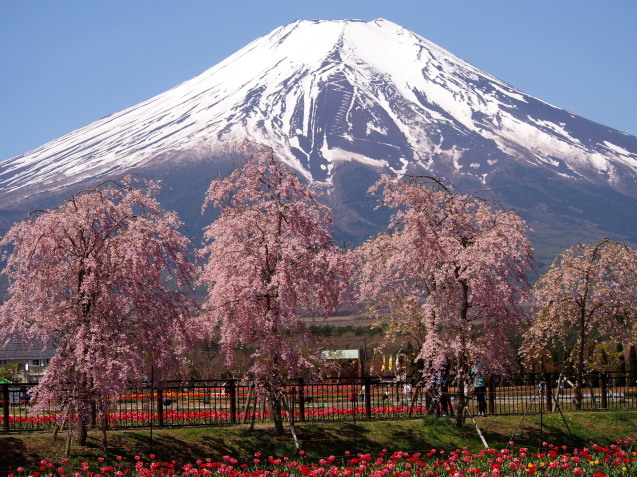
(203, 417)
(217, 402)
(316, 391)
(619, 459)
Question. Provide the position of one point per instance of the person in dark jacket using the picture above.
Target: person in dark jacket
(479, 389)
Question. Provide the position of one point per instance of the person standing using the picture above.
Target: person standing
(479, 389)
(407, 391)
(445, 403)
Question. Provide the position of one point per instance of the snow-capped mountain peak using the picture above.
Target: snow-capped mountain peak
(324, 92)
(340, 102)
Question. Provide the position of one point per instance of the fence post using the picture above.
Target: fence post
(603, 379)
(160, 407)
(368, 397)
(5, 405)
(233, 401)
(93, 414)
(301, 400)
(548, 392)
(492, 395)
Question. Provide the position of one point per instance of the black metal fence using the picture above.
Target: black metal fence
(216, 402)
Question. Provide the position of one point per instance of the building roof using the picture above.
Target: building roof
(341, 354)
(18, 348)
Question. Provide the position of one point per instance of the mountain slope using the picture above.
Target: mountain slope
(340, 102)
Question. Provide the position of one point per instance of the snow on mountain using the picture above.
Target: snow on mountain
(341, 101)
(324, 92)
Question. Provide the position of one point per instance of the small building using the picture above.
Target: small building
(346, 363)
(32, 358)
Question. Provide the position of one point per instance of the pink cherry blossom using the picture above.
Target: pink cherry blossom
(461, 266)
(270, 260)
(590, 289)
(90, 277)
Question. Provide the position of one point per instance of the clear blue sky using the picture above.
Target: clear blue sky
(66, 63)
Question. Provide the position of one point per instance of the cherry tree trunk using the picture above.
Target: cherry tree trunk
(462, 404)
(82, 431)
(275, 403)
(579, 366)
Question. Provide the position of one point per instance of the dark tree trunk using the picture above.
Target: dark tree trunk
(462, 358)
(275, 401)
(460, 406)
(82, 431)
(579, 366)
(104, 427)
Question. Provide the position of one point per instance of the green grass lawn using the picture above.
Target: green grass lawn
(321, 439)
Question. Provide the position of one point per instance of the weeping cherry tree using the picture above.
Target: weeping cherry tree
(90, 277)
(270, 261)
(463, 261)
(590, 290)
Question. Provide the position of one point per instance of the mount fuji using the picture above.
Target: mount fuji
(341, 102)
